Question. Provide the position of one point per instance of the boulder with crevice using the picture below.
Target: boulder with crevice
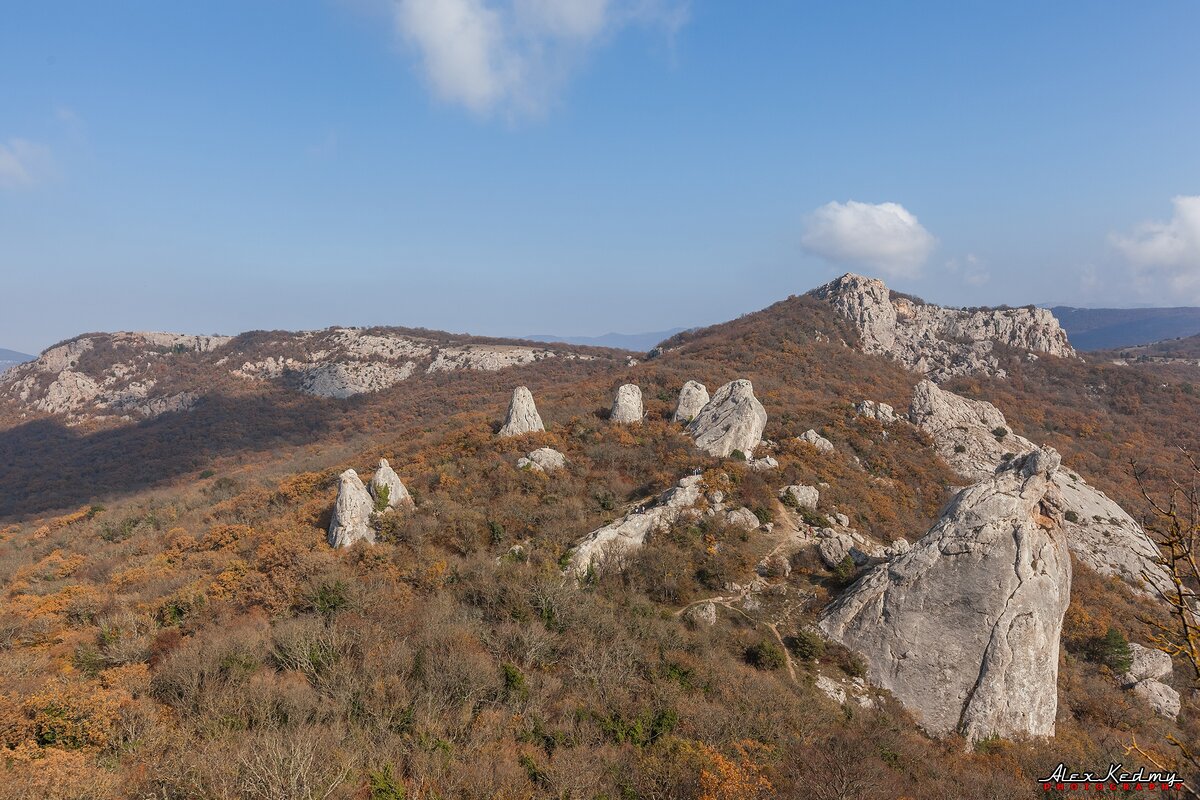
(386, 478)
(818, 441)
(733, 420)
(544, 459)
(964, 628)
(800, 496)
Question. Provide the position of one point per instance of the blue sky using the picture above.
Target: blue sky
(582, 166)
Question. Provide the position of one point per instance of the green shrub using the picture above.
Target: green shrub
(766, 655)
(1111, 650)
(1071, 515)
(382, 495)
(806, 645)
(999, 431)
(738, 455)
(384, 786)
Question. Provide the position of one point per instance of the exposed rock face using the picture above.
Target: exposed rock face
(1147, 670)
(732, 420)
(742, 518)
(125, 377)
(627, 405)
(397, 492)
(544, 459)
(522, 414)
(940, 342)
(818, 441)
(834, 548)
(692, 399)
(878, 411)
(801, 496)
(632, 530)
(1162, 699)
(702, 614)
(964, 628)
(351, 521)
(347, 379)
(973, 437)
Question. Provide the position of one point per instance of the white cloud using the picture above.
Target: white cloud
(513, 55)
(884, 236)
(23, 163)
(1166, 255)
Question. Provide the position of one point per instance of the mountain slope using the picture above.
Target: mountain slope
(196, 631)
(637, 342)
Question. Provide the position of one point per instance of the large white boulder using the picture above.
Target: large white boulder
(522, 414)
(627, 405)
(732, 420)
(397, 492)
(352, 511)
(964, 628)
(692, 399)
(544, 459)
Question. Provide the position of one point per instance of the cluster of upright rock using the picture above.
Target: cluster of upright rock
(351, 522)
(627, 405)
(940, 342)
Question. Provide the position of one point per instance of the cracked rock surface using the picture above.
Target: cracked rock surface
(964, 627)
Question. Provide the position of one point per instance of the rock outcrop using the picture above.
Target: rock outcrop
(818, 441)
(522, 414)
(386, 480)
(940, 342)
(800, 496)
(351, 521)
(877, 411)
(130, 376)
(544, 459)
(633, 529)
(1147, 670)
(692, 399)
(964, 628)
(973, 437)
(627, 405)
(732, 420)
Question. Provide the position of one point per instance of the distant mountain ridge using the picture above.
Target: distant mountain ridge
(637, 342)
(1109, 328)
(10, 358)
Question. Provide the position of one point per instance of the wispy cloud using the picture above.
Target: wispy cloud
(1165, 256)
(513, 56)
(884, 236)
(970, 269)
(23, 163)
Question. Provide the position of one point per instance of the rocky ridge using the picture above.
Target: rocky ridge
(973, 437)
(131, 376)
(940, 342)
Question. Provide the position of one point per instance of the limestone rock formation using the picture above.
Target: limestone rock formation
(397, 492)
(692, 399)
(522, 414)
(834, 548)
(351, 521)
(350, 378)
(1147, 670)
(742, 518)
(627, 405)
(702, 614)
(732, 420)
(940, 342)
(964, 628)
(1162, 699)
(877, 411)
(544, 459)
(633, 529)
(818, 441)
(973, 437)
(800, 496)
